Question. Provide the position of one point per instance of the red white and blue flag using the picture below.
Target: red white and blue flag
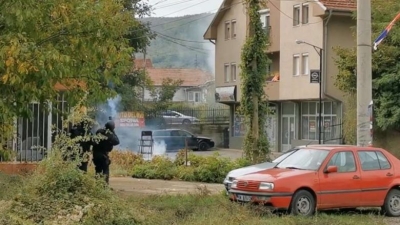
(385, 32)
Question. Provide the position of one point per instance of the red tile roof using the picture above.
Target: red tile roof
(190, 77)
(139, 63)
(340, 4)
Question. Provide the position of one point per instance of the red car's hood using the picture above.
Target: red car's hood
(273, 174)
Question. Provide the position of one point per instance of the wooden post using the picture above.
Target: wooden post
(186, 152)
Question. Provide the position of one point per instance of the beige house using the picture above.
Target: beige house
(298, 31)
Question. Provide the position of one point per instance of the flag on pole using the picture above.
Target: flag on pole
(385, 32)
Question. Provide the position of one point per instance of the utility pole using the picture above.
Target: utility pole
(364, 71)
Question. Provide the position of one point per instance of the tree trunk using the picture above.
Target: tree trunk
(255, 126)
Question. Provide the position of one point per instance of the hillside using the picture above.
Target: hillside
(179, 42)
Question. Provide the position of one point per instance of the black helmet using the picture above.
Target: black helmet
(110, 125)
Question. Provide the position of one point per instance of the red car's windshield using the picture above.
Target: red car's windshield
(304, 159)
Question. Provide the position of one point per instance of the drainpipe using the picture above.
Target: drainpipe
(211, 41)
(325, 44)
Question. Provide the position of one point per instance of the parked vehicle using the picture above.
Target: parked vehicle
(325, 177)
(174, 117)
(253, 168)
(174, 139)
(259, 167)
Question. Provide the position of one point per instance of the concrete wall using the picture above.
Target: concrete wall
(340, 34)
(388, 140)
(311, 33)
(228, 51)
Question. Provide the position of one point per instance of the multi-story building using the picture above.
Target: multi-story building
(298, 30)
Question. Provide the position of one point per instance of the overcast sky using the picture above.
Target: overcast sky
(172, 8)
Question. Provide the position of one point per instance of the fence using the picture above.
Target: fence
(183, 115)
(32, 137)
(333, 133)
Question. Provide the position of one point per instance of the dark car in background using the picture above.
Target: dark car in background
(176, 139)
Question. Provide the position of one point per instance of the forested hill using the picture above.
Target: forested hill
(179, 42)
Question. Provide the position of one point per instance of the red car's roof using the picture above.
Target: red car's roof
(339, 147)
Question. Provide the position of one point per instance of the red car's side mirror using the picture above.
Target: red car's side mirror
(331, 169)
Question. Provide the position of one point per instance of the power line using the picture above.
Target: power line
(188, 47)
(172, 4)
(185, 8)
(277, 8)
(166, 36)
(184, 18)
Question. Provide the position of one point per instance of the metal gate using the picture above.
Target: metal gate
(33, 136)
(333, 133)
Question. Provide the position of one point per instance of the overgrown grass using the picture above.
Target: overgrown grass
(195, 209)
(203, 209)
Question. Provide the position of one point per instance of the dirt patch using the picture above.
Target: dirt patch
(154, 187)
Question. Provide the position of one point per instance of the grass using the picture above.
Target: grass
(202, 209)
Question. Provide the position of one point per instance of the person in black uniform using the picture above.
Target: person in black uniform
(101, 149)
(82, 130)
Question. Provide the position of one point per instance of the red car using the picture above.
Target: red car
(325, 177)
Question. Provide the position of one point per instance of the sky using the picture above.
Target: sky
(173, 8)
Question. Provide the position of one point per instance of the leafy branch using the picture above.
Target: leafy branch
(254, 105)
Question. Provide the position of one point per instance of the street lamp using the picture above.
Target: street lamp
(320, 53)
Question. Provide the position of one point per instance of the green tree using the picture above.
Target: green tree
(385, 68)
(162, 96)
(79, 44)
(254, 105)
(139, 38)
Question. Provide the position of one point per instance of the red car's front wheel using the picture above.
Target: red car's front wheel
(303, 203)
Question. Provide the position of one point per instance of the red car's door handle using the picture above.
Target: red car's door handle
(389, 174)
(356, 177)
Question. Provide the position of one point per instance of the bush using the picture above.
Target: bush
(122, 161)
(58, 193)
(210, 169)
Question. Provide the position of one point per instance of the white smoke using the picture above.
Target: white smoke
(113, 104)
(159, 148)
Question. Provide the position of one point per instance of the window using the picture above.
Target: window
(296, 65)
(373, 160)
(269, 68)
(296, 15)
(304, 64)
(304, 13)
(344, 161)
(306, 159)
(310, 122)
(233, 72)
(266, 21)
(184, 133)
(233, 28)
(227, 30)
(194, 96)
(226, 73)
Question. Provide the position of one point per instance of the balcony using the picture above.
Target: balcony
(271, 88)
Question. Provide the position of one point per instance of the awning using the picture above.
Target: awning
(225, 94)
